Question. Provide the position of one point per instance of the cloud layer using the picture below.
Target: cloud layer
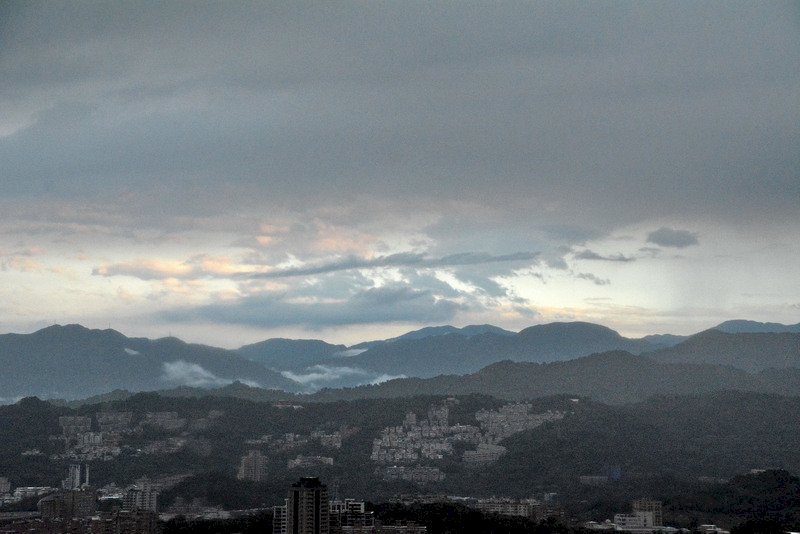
(669, 237)
(344, 167)
(185, 373)
(320, 376)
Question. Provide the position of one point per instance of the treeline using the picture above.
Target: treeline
(256, 524)
(451, 518)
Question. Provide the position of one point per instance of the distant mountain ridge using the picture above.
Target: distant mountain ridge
(661, 341)
(453, 353)
(612, 377)
(615, 377)
(752, 352)
(433, 331)
(290, 353)
(741, 326)
(72, 361)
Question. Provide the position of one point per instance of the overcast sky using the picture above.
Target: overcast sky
(228, 172)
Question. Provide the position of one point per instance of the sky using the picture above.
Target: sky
(227, 172)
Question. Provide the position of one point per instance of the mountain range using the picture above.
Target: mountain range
(69, 361)
(614, 377)
(752, 352)
(541, 343)
(572, 358)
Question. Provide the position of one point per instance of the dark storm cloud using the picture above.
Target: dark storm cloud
(396, 303)
(669, 237)
(609, 112)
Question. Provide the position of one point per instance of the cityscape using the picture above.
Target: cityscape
(380, 465)
(399, 266)
(308, 509)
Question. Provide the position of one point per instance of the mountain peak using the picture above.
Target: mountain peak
(743, 326)
(72, 327)
(571, 328)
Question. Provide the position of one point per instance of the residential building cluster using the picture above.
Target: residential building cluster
(506, 506)
(309, 461)
(118, 522)
(645, 517)
(484, 454)
(427, 439)
(308, 510)
(73, 509)
(169, 445)
(433, 438)
(418, 474)
(253, 466)
(289, 441)
(510, 419)
(87, 440)
(83, 444)
(169, 421)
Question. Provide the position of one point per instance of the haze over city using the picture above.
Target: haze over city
(231, 172)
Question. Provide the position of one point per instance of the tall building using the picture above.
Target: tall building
(348, 516)
(77, 477)
(307, 507)
(68, 504)
(279, 518)
(253, 466)
(142, 496)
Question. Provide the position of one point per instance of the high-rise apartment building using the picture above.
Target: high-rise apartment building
(142, 496)
(253, 466)
(307, 507)
(279, 518)
(77, 477)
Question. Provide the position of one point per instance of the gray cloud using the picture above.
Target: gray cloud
(191, 374)
(405, 259)
(669, 237)
(650, 251)
(591, 255)
(156, 270)
(396, 303)
(318, 376)
(438, 127)
(570, 233)
(252, 104)
(324, 373)
(593, 278)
